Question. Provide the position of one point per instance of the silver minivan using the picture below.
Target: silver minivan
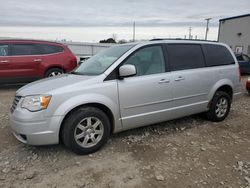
(124, 87)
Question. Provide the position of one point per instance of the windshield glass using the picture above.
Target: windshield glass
(102, 61)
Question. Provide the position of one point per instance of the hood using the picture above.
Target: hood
(48, 85)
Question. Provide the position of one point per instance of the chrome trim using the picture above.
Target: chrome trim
(165, 110)
(147, 104)
(163, 101)
(189, 96)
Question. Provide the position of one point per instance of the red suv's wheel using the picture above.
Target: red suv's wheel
(53, 72)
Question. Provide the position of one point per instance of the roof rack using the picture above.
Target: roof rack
(156, 39)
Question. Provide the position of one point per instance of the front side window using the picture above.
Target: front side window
(25, 49)
(185, 56)
(102, 61)
(4, 50)
(148, 60)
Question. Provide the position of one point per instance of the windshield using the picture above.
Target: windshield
(102, 61)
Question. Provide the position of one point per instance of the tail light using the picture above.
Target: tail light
(73, 59)
(248, 83)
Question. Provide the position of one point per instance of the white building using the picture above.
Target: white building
(83, 49)
(235, 32)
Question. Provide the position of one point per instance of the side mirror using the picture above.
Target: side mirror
(127, 70)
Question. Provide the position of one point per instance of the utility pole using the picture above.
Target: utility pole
(207, 28)
(190, 35)
(134, 32)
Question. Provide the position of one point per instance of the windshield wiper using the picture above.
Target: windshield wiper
(76, 73)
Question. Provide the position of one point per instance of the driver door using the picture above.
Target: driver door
(146, 98)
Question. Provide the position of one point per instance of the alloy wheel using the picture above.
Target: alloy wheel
(221, 107)
(88, 132)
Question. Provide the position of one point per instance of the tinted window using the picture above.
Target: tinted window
(148, 60)
(4, 50)
(25, 49)
(185, 56)
(217, 55)
(50, 49)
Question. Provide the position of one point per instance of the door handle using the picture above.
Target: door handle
(162, 81)
(37, 60)
(4, 61)
(179, 78)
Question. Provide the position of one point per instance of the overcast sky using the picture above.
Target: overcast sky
(94, 20)
(118, 13)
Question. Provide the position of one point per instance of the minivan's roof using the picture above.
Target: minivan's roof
(131, 43)
(29, 40)
(155, 41)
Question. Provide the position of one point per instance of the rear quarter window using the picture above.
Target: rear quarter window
(217, 55)
(185, 56)
(50, 49)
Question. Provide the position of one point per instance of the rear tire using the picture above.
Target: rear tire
(219, 107)
(86, 130)
(54, 72)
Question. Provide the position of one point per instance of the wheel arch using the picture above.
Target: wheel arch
(100, 106)
(223, 85)
(228, 89)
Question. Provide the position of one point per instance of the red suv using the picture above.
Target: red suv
(29, 60)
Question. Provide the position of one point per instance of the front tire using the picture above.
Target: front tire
(86, 130)
(219, 107)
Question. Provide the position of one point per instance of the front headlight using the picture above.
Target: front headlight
(36, 102)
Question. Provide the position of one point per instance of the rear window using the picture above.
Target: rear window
(217, 55)
(50, 49)
(25, 49)
(185, 56)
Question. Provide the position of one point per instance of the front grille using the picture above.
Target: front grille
(15, 102)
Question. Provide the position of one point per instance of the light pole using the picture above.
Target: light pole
(190, 34)
(134, 32)
(207, 28)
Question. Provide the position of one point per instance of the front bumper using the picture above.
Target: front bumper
(33, 128)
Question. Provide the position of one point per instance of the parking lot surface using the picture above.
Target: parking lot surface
(188, 152)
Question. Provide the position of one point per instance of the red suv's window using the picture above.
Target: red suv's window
(50, 49)
(35, 49)
(4, 50)
(25, 49)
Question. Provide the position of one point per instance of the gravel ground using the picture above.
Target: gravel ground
(188, 152)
